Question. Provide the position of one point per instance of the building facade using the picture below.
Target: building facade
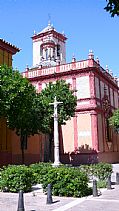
(7, 50)
(87, 137)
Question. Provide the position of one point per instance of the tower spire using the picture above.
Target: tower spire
(49, 20)
(51, 47)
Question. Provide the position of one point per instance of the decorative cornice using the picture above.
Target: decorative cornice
(56, 34)
(8, 46)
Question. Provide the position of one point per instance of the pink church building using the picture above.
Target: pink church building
(87, 137)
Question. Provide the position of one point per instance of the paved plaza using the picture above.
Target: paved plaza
(36, 201)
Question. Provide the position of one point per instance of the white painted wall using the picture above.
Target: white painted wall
(84, 130)
(36, 49)
(82, 87)
(36, 52)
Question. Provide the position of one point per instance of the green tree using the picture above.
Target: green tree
(112, 7)
(62, 91)
(114, 120)
(28, 112)
(65, 111)
(19, 104)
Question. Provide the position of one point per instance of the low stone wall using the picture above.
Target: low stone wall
(89, 158)
(108, 157)
(5, 158)
(79, 158)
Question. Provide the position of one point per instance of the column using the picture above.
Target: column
(94, 125)
(75, 118)
(92, 89)
(43, 53)
(49, 53)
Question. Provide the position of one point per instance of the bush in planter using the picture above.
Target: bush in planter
(67, 182)
(99, 170)
(87, 169)
(39, 171)
(101, 183)
(102, 170)
(14, 178)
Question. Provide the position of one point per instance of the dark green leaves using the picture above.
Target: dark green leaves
(63, 94)
(28, 112)
(114, 120)
(18, 102)
(112, 7)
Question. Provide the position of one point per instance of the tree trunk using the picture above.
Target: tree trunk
(22, 150)
(23, 140)
(51, 147)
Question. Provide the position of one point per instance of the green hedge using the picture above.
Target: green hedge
(99, 170)
(39, 171)
(67, 182)
(14, 178)
(102, 170)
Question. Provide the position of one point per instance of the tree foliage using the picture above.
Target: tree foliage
(112, 7)
(114, 120)
(18, 102)
(28, 112)
(19, 105)
(61, 90)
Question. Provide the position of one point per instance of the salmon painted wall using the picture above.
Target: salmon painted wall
(5, 133)
(108, 140)
(34, 151)
(68, 136)
(86, 130)
(5, 143)
(10, 149)
(100, 133)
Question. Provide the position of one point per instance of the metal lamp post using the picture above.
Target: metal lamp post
(56, 134)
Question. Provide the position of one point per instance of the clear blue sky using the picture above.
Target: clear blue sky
(86, 24)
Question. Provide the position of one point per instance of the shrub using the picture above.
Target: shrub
(87, 169)
(39, 171)
(102, 170)
(67, 182)
(14, 178)
(101, 184)
(99, 170)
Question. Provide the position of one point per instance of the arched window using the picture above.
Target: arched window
(41, 51)
(58, 50)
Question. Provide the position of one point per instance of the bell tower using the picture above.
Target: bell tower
(49, 47)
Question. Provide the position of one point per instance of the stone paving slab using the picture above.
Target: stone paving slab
(108, 201)
(93, 205)
(112, 194)
(9, 202)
